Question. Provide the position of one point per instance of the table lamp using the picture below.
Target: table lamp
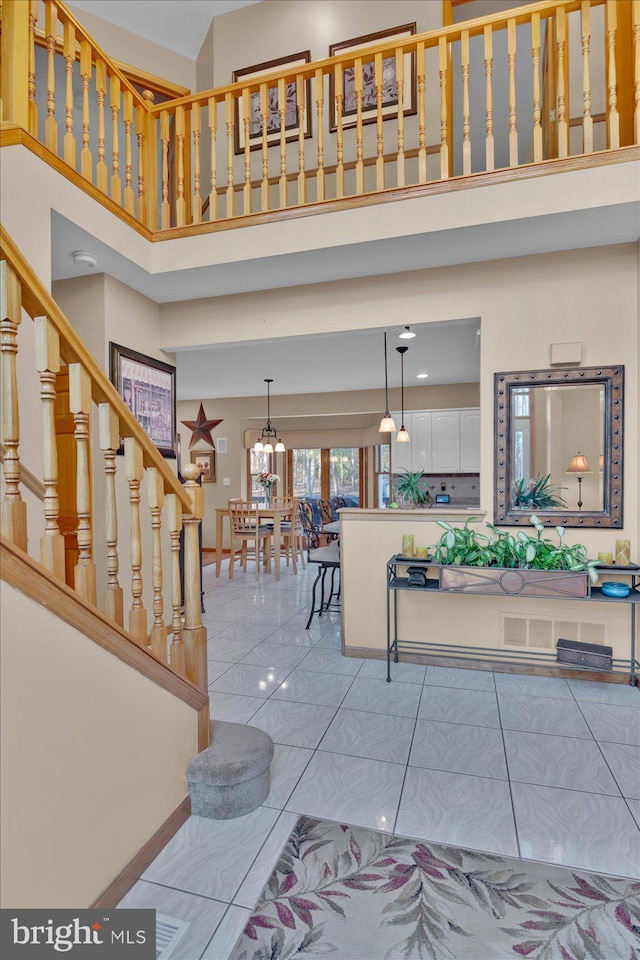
(579, 468)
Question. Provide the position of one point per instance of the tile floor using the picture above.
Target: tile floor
(537, 767)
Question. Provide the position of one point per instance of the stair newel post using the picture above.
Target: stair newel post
(134, 471)
(48, 366)
(14, 509)
(80, 407)
(195, 634)
(14, 62)
(155, 495)
(174, 522)
(109, 432)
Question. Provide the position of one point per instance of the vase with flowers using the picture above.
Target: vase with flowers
(268, 481)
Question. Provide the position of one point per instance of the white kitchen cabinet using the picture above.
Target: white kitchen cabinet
(469, 441)
(421, 434)
(445, 427)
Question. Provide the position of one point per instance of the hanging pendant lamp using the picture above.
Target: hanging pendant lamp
(269, 441)
(403, 436)
(387, 424)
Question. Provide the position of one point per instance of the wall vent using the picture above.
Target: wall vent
(542, 633)
(169, 932)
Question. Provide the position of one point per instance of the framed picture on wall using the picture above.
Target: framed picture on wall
(273, 108)
(206, 460)
(389, 84)
(148, 387)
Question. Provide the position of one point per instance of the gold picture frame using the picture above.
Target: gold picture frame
(206, 460)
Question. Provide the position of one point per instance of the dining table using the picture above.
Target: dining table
(275, 513)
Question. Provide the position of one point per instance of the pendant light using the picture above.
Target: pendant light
(407, 334)
(387, 424)
(265, 444)
(403, 436)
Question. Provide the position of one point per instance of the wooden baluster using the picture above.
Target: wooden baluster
(229, 120)
(86, 160)
(114, 100)
(513, 120)
(444, 122)
(14, 509)
(377, 77)
(213, 128)
(141, 121)
(33, 105)
(80, 407)
(561, 103)
(127, 113)
(302, 111)
(101, 90)
(51, 31)
(490, 160)
(194, 634)
(48, 366)
(174, 523)
(587, 119)
(282, 110)
(636, 69)
(264, 120)
(150, 152)
(196, 200)
(400, 88)
(246, 119)
(466, 109)
(613, 119)
(109, 433)
(358, 81)
(165, 214)
(134, 473)
(181, 209)
(422, 115)
(537, 99)
(339, 131)
(69, 60)
(320, 134)
(155, 494)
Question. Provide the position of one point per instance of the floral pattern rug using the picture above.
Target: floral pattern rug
(353, 894)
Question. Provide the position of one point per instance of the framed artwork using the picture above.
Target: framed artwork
(273, 115)
(389, 86)
(148, 387)
(206, 460)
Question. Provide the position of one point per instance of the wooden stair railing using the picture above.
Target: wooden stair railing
(93, 399)
(215, 156)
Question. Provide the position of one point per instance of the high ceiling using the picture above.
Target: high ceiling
(179, 25)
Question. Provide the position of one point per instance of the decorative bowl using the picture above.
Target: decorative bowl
(612, 589)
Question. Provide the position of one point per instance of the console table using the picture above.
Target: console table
(397, 583)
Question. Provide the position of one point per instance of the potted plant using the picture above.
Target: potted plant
(410, 489)
(520, 564)
(537, 493)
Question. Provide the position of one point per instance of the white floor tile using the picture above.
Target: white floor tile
(612, 723)
(326, 660)
(619, 693)
(406, 672)
(452, 705)
(375, 736)
(459, 748)
(247, 680)
(270, 654)
(542, 715)
(226, 936)
(287, 767)
(558, 762)
(228, 706)
(377, 696)
(303, 686)
(624, 762)
(528, 686)
(296, 724)
(458, 677)
(260, 871)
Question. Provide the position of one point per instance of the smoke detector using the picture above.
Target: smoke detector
(85, 260)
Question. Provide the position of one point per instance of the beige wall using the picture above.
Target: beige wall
(93, 759)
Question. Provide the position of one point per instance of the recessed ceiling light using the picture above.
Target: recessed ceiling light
(406, 334)
(421, 376)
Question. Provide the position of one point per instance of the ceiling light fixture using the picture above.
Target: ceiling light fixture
(269, 441)
(407, 334)
(83, 259)
(403, 436)
(422, 376)
(387, 424)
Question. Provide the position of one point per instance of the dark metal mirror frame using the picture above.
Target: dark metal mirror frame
(612, 379)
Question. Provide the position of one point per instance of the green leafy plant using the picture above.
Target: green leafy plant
(461, 546)
(537, 493)
(410, 487)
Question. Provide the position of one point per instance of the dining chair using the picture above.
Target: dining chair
(326, 556)
(291, 532)
(246, 529)
(327, 516)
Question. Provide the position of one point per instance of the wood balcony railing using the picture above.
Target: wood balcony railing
(97, 420)
(505, 93)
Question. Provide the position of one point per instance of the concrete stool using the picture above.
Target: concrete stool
(231, 777)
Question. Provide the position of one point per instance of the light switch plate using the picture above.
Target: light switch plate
(226, 481)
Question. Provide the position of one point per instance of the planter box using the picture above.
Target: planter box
(511, 582)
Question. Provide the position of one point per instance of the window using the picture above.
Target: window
(382, 464)
(258, 463)
(521, 434)
(344, 474)
(306, 473)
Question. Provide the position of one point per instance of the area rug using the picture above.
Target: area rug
(354, 894)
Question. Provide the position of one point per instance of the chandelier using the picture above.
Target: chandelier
(269, 441)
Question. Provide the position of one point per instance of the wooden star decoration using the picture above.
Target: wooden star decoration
(201, 428)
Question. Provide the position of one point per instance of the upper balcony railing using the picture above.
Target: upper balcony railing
(504, 93)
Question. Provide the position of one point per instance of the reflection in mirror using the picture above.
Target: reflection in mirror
(557, 447)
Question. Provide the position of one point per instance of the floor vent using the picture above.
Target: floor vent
(169, 932)
(542, 633)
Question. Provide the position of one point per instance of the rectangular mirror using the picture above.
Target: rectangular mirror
(559, 446)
